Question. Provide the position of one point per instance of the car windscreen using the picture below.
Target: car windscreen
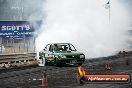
(64, 47)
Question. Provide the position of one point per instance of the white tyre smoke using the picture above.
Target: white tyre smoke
(85, 23)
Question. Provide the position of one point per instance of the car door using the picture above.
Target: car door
(49, 52)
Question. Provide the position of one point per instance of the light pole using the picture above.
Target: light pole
(107, 6)
(109, 11)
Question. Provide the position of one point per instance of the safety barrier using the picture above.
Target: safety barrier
(17, 60)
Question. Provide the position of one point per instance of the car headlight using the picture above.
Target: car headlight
(82, 56)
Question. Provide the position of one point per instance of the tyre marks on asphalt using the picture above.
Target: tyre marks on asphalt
(21, 78)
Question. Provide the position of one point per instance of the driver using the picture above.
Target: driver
(55, 47)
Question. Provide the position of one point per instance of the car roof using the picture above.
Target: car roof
(57, 43)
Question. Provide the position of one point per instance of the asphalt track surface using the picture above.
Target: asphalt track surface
(65, 77)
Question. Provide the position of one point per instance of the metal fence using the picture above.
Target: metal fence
(8, 46)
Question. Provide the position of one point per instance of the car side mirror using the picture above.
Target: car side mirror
(44, 49)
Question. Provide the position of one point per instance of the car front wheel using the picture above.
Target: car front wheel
(58, 63)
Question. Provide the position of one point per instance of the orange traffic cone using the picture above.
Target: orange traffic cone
(107, 66)
(44, 81)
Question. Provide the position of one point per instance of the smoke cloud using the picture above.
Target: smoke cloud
(85, 24)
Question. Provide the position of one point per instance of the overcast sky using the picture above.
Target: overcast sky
(31, 8)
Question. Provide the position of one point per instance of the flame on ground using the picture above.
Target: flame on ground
(81, 71)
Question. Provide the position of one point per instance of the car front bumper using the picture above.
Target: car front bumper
(71, 61)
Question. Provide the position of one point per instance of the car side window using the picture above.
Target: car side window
(72, 48)
(47, 47)
(51, 48)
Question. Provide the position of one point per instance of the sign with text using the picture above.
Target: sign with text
(17, 29)
(108, 78)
